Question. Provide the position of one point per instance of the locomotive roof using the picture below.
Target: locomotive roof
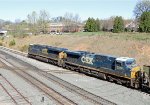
(38, 45)
(74, 52)
(124, 59)
(50, 47)
(96, 55)
(56, 48)
(83, 52)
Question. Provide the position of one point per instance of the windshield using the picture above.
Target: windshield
(131, 63)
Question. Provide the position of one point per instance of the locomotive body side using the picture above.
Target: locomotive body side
(120, 69)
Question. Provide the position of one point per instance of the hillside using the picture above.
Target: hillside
(124, 44)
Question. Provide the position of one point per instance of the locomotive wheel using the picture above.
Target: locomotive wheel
(60, 62)
(127, 84)
(104, 76)
(136, 85)
(81, 70)
(63, 65)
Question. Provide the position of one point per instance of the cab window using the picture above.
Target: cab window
(119, 65)
(130, 63)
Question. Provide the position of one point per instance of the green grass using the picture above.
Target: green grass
(123, 36)
(88, 33)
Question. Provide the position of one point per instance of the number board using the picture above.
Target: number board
(44, 51)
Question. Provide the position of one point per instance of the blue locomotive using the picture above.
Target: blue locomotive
(123, 70)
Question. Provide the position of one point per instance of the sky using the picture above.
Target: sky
(102, 9)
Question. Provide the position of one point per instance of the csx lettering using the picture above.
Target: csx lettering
(87, 60)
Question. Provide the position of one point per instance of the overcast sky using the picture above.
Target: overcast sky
(19, 9)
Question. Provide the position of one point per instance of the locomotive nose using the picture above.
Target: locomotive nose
(134, 71)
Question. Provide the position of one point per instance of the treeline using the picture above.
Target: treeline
(117, 24)
(94, 25)
(39, 22)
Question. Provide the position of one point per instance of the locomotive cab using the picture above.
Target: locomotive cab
(128, 65)
(130, 70)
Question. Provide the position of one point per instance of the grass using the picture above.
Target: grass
(88, 33)
(1, 44)
(24, 48)
(123, 36)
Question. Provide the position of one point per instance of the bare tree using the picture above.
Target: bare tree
(107, 24)
(141, 6)
(44, 20)
(71, 22)
(77, 22)
(32, 22)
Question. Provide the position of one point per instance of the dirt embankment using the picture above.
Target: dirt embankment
(139, 50)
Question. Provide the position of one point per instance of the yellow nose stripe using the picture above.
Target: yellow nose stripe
(134, 70)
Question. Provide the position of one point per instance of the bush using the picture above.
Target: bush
(12, 43)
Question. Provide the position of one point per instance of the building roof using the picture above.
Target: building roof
(56, 24)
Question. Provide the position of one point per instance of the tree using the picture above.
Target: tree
(71, 22)
(44, 20)
(57, 19)
(107, 24)
(32, 22)
(141, 6)
(91, 25)
(118, 25)
(144, 25)
(38, 23)
(98, 25)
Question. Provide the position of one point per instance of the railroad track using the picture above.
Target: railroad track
(13, 93)
(51, 93)
(14, 51)
(62, 100)
(77, 90)
(83, 93)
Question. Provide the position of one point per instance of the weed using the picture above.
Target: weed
(12, 43)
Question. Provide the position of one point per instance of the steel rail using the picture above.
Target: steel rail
(9, 94)
(80, 91)
(60, 99)
(45, 88)
(16, 90)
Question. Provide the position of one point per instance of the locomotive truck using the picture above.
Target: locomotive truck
(122, 70)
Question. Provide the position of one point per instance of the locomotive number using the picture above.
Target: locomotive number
(44, 51)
